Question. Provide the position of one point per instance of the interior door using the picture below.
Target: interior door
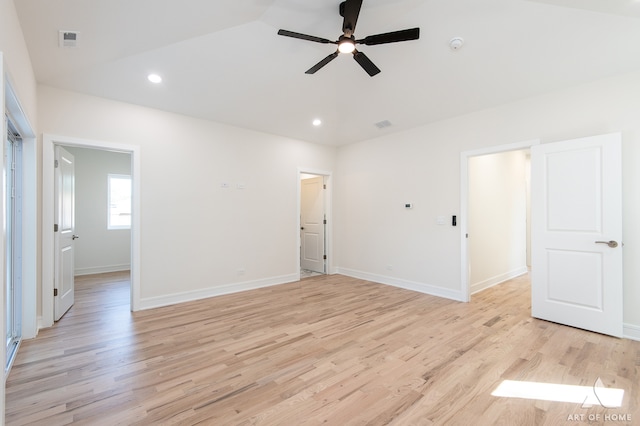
(312, 225)
(65, 234)
(576, 192)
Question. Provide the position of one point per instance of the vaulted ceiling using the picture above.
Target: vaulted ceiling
(222, 60)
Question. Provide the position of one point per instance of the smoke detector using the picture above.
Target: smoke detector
(68, 39)
(456, 43)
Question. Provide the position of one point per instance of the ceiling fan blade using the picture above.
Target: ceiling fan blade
(365, 63)
(392, 37)
(304, 37)
(350, 10)
(322, 63)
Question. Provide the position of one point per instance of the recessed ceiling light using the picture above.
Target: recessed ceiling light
(317, 122)
(154, 78)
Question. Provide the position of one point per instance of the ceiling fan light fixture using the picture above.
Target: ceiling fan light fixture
(346, 45)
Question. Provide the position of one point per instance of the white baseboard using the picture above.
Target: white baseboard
(631, 332)
(172, 299)
(39, 326)
(407, 285)
(102, 269)
(490, 282)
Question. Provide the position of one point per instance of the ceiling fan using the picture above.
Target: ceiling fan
(349, 10)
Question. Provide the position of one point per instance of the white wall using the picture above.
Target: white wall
(195, 234)
(497, 218)
(18, 67)
(377, 238)
(98, 249)
(422, 166)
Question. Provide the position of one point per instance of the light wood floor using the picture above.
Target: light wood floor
(328, 350)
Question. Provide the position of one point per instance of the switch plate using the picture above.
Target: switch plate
(441, 220)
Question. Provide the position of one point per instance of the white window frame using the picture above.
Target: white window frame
(111, 176)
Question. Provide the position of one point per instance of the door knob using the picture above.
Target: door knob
(74, 237)
(612, 244)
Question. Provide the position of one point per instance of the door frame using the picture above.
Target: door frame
(13, 108)
(48, 147)
(465, 288)
(329, 266)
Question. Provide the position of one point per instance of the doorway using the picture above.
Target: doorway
(313, 217)
(472, 162)
(102, 212)
(48, 258)
(498, 218)
(576, 201)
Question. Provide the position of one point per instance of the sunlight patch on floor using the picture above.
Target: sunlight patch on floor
(585, 395)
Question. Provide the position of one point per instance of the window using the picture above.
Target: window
(119, 214)
(13, 248)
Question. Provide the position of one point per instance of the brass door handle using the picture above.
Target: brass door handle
(612, 244)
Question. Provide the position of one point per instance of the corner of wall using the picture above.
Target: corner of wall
(631, 332)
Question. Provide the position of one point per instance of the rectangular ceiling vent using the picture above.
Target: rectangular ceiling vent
(383, 124)
(68, 39)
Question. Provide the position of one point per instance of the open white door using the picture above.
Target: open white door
(312, 224)
(65, 233)
(576, 198)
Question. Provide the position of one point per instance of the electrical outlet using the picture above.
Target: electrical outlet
(241, 271)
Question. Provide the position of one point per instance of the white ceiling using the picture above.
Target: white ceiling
(222, 60)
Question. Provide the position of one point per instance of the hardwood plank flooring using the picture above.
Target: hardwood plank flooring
(326, 350)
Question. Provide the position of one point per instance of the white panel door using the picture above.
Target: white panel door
(312, 224)
(65, 235)
(576, 198)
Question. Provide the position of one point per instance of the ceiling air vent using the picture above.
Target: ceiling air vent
(68, 39)
(383, 124)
